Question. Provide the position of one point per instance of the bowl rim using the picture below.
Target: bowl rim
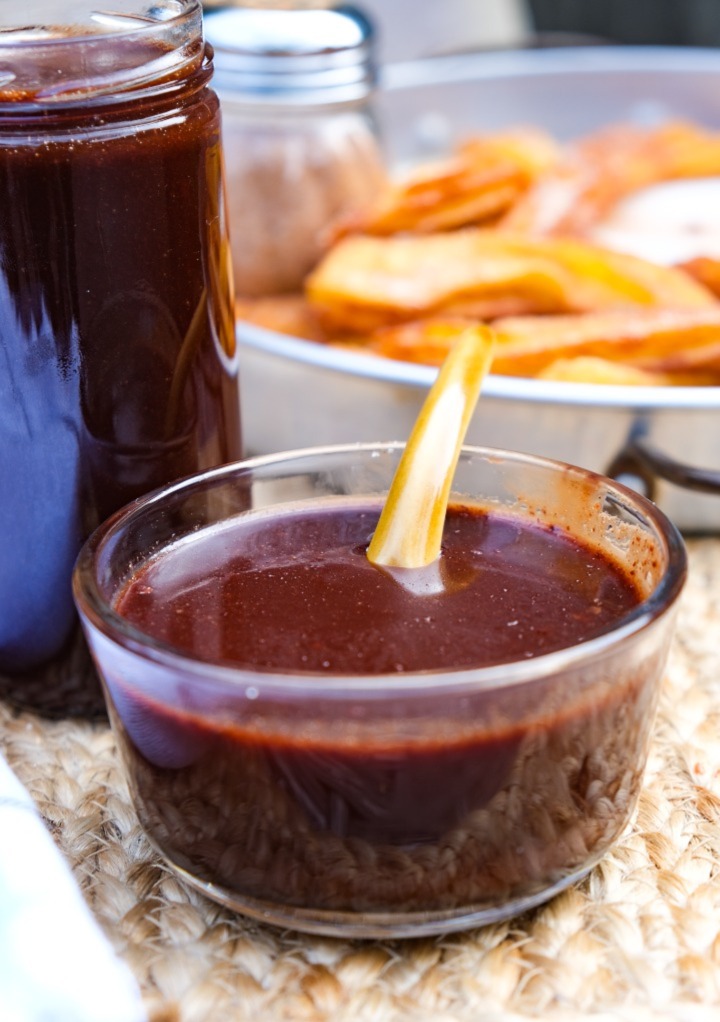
(587, 59)
(97, 614)
(377, 368)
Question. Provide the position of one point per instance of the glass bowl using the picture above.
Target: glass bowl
(385, 805)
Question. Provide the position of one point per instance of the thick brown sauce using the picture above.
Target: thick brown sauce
(113, 377)
(296, 592)
(471, 800)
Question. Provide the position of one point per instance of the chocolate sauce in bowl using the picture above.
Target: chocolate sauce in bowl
(295, 592)
(408, 805)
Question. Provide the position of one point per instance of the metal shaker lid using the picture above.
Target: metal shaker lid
(300, 56)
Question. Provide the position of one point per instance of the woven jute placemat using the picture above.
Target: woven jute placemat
(638, 939)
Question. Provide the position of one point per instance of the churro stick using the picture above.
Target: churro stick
(409, 532)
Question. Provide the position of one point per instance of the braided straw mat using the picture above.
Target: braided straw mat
(639, 939)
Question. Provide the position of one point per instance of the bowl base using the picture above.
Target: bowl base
(373, 925)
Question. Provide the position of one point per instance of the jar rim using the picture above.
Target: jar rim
(63, 62)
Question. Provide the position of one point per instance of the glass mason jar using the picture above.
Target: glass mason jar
(300, 138)
(119, 369)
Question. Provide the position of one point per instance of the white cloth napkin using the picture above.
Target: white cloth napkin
(55, 963)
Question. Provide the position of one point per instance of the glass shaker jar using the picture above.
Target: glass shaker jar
(300, 143)
(116, 304)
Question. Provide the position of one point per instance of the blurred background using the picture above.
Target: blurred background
(660, 22)
(408, 29)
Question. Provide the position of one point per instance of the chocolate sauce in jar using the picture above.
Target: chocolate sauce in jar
(116, 322)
